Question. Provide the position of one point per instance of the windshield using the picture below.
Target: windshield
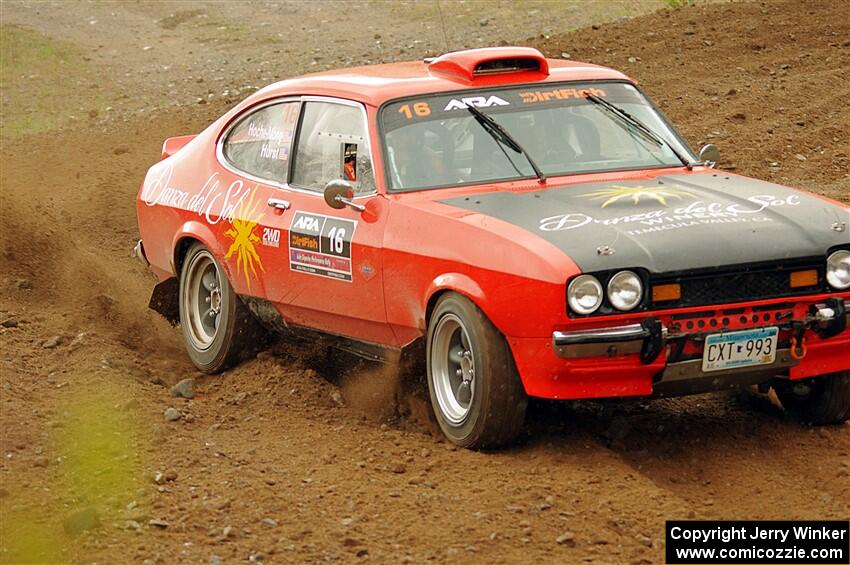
(435, 141)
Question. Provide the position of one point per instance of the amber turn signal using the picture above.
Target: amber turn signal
(666, 292)
(801, 279)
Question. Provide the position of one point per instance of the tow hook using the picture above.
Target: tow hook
(798, 341)
(798, 350)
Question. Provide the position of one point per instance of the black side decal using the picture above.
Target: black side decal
(321, 245)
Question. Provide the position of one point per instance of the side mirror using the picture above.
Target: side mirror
(709, 154)
(339, 194)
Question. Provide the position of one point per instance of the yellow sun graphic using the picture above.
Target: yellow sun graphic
(635, 193)
(242, 234)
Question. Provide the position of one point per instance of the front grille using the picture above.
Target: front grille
(743, 284)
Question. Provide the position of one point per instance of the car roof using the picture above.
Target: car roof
(375, 84)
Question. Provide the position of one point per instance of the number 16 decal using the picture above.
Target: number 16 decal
(321, 245)
(337, 238)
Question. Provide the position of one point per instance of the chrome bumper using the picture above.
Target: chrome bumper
(139, 253)
(610, 342)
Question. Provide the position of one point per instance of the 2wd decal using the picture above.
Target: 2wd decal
(271, 237)
(321, 245)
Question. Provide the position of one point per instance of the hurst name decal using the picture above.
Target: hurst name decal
(321, 245)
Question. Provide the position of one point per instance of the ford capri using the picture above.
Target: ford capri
(531, 227)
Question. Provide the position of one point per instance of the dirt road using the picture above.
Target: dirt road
(289, 457)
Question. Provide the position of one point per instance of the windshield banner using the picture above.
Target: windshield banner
(399, 114)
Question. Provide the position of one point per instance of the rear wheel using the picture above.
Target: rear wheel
(476, 393)
(820, 400)
(217, 327)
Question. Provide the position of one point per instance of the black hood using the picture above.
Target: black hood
(672, 223)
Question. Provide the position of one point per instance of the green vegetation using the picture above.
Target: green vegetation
(676, 4)
(37, 82)
(95, 460)
(222, 30)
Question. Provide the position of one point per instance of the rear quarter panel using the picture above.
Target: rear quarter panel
(187, 196)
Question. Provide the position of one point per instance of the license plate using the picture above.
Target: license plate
(735, 350)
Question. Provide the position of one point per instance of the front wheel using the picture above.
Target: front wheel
(822, 400)
(217, 327)
(476, 393)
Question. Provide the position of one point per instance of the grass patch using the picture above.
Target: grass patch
(37, 81)
(676, 4)
(215, 29)
(95, 464)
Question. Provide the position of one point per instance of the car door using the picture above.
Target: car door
(256, 153)
(335, 280)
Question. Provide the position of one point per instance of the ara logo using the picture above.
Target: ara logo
(306, 223)
(477, 101)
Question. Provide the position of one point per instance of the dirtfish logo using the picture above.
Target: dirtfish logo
(477, 101)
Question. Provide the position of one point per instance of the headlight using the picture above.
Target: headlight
(625, 291)
(838, 270)
(584, 294)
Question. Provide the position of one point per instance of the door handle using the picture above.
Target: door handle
(279, 204)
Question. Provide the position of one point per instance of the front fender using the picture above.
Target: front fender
(455, 282)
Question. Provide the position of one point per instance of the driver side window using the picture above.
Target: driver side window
(333, 144)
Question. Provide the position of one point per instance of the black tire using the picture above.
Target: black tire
(495, 410)
(234, 335)
(823, 400)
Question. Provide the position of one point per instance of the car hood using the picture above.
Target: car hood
(672, 223)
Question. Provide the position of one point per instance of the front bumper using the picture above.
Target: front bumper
(139, 253)
(662, 355)
(649, 337)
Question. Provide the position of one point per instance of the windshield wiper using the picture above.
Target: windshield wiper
(638, 126)
(501, 135)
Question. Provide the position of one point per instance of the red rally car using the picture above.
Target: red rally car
(537, 224)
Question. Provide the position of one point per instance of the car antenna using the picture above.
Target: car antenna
(443, 27)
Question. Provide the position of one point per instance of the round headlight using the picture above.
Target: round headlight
(625, 291)
(838, 270)
(584, 294)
